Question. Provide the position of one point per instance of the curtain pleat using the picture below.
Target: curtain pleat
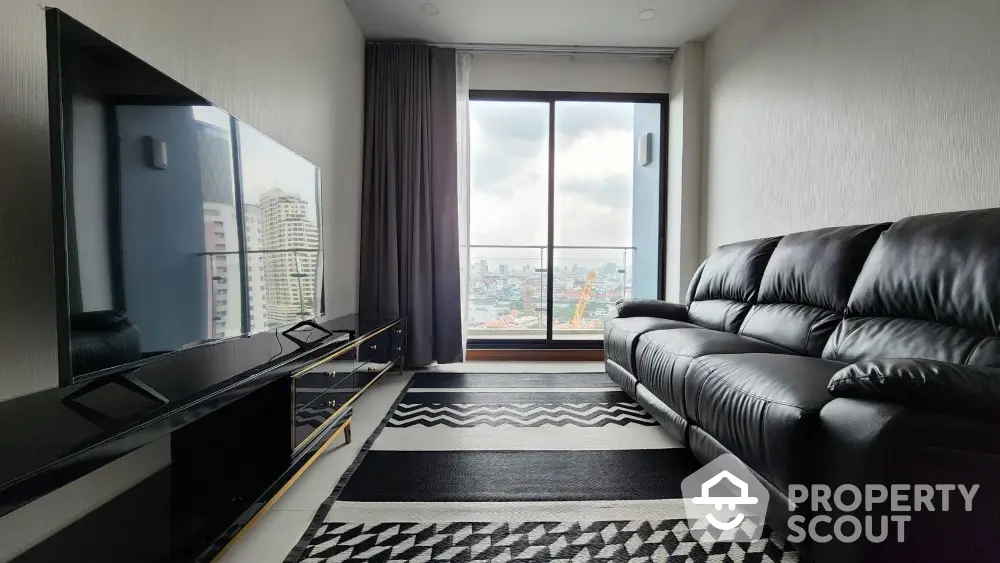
(409, 209)
(463, 69)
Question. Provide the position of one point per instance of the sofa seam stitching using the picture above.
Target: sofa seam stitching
(758, 397)
(853, 330)
(683, 378)
(975, 349)
(701, 389)
(763, 438)
(753, 311)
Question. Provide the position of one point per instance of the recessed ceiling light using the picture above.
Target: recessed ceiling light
(430, 9)
(647, 15)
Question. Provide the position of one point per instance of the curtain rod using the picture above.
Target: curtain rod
(496, 49)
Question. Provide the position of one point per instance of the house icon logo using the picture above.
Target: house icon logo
(725, 500)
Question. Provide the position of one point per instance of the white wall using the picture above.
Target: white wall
(295, 70)
(684, 170)
(831, 112)
(563, 73)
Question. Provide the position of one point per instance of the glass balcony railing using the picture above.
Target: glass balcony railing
(280, 289)
(508, 290)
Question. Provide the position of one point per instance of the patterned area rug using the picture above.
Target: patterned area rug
(517, 467)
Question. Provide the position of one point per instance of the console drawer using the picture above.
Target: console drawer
(311, 417)
(397, 341)
(309, 387)
(375, 349)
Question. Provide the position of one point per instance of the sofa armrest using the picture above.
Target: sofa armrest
(926, 385)
(650, 308)
(871, 442)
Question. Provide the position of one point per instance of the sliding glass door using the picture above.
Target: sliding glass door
(565, 214)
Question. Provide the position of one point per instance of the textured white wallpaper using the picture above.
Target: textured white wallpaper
(295, 70)
(833, 112)
(684, 169)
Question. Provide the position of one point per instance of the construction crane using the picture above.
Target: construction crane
(581, 305)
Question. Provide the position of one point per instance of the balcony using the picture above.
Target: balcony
(509, 285)
(564, 214)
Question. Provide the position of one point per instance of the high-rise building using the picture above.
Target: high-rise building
(224, 291)
(255, 267)
(289, 275)
(221, 236)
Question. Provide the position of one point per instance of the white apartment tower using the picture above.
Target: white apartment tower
(289, 275)
(256, 283)
(224, 307)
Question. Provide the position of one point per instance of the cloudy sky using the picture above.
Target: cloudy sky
(593, 167)
(267, 163)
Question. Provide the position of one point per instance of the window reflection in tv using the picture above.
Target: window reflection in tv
(183, 225)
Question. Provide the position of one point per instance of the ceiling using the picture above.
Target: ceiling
(586, 23)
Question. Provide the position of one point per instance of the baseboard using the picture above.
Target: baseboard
(537, 355)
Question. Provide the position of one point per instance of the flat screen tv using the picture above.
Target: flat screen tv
(176, 224)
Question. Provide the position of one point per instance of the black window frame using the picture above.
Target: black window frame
(552, 97)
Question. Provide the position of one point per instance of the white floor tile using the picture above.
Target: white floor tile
(270, 539)
(277, 532)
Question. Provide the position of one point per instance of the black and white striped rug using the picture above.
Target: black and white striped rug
(517, 467)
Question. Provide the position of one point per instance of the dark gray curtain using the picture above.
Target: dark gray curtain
(409, 207)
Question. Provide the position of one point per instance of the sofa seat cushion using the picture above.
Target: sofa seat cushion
(762, 407)
(662, 358)
(621, 335)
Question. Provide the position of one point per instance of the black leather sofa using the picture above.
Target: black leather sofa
(851, 355)
(102, 339)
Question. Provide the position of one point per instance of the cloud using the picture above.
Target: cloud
(581, 222)
(513, 121)
(593, 165)
(508, 151)
(614, 192)
(577, 118)
(596, 156)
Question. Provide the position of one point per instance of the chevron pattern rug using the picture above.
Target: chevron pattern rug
(523, 415)
(517, 467)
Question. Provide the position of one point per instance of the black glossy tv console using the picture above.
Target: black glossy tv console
(237, 439)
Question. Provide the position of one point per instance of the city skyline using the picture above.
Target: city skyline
(278, 215)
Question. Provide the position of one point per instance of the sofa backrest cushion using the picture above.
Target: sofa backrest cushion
(727, 283)
(929, 290)
(806, 286)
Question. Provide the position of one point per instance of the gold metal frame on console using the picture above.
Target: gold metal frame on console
(322, 449)
(270, 503)
(340, 351)
(346, 404)
(333, 355)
